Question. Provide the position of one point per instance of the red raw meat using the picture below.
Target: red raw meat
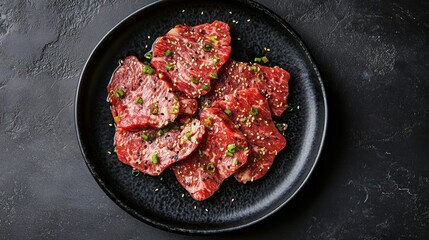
(204, 171)
(250, 112)
(140, 99)
(271, 81)
(138, 149)
(191, 57)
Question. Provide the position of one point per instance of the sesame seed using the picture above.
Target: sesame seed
(248, 20)
(110, 124)
(230, 12)
(206, 210)
(156, 189)
(202, 12)
(183, 10)
(109, 152)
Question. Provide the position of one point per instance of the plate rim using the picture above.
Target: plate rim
(167, 227)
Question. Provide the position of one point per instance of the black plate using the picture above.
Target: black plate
(161, 201)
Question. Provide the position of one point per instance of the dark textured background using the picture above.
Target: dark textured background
(372, 181)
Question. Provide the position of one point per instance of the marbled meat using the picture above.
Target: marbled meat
(271, 81)
(191, 57)
(151, 151)
(139, 98)
(250, 112)
(222, 152)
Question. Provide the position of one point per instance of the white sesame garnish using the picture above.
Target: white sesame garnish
(248, 20)
(148, 37)
(156, 189)
(183, 10)
(232, 199)
(202, 12)
(206, 210)
(230, 12)
(110, 124)
(109, 152)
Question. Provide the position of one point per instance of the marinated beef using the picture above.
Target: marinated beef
(139, 98)
(151, 151)
(222, 151)
(271, 81)
(250, 112)
(191, 57)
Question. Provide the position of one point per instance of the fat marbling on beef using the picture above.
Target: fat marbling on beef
(191, 57)
(139, 98)
(222, 151)
(250, 112)
(271, 81)
(151, 151)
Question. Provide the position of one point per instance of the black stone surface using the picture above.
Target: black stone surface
(372, 179)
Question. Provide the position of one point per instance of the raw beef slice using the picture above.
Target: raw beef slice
(271, 81)
(249, 110)
(223, 150)
(191, 57)
(151, 151)
(139, 98)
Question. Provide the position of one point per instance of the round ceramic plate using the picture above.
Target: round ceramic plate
(161, 201)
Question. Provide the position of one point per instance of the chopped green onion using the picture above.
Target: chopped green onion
(281, 126)
(145, 137)
(236, 163)
(167, 53)
(176, 127)
(174, 110)
(170, 67)
(254, 68)
(154, 109)
(206, 87)
(253, 111)
(213, 39)
(188, 134)
(213, 75)
(207, 47)
(120, 93)
(200, 153)
(208, 122)
(135, 172)
(228, 112)
(148, 70)
(211, 167)
(140, 100)
(230, 154)
(117, 119)
(244, 119)
(264, 59)
(194, 80)
(155, 159)
(231, 147)
(215, 59)
(148, 55)
(258, 156)
(257, 59)
(160, 132)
